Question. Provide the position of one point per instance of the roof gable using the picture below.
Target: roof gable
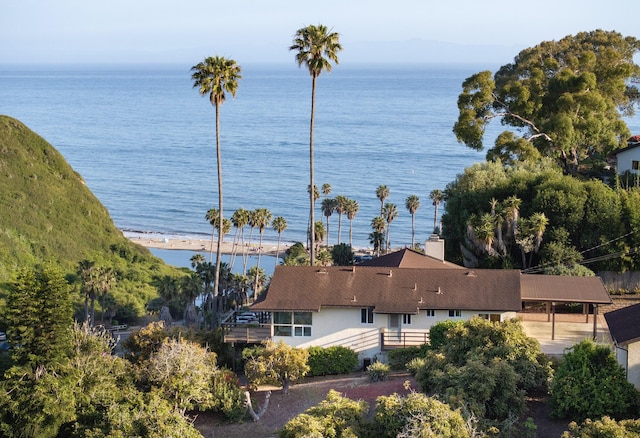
(408, 258)
(623, 324)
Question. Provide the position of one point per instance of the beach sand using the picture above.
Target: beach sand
(204, 245)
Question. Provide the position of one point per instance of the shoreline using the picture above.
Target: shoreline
(195, 244)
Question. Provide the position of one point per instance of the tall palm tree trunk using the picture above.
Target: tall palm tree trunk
(278, 250)
(313, 221)
(214, 308)
(413, 230)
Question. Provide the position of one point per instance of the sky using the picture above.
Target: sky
(371, 31)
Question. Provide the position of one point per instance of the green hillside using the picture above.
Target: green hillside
(49, 215)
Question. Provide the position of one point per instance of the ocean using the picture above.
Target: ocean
(143, 139)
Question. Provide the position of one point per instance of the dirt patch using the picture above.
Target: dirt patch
(355, 386)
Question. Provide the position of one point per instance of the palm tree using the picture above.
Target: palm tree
(96, 282)
(412, 203)
(259, 279)
(319, 233)
(262, 218)
(378, 224)
(197, 259)
(216, 76)
(376, 239)
(341, 205)
(316, 48)
(86, 273)
(239, 219)
(328, 206)
(326, 189)
(512, 211)
(253, 223)
(351, 210)
(279, 224)
(436, 196)
(212, 216)
(316, 196)
(390, 212)
(382, 193)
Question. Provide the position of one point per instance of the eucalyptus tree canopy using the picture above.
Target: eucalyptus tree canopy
(566, 99)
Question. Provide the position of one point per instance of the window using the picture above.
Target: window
(292, 323)
(366, 315)
(493, 317)
(431, 313)
(455, 313)
(406, 319)
(634, 164)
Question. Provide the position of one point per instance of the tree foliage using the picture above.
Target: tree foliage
(604, 427)
(566, 97)
(39, 316)
(182, 372)
(275, 363)
(485, 367)
(488, 203)
(335, 416)
(342, 254)
(589, 383)
(416, 415)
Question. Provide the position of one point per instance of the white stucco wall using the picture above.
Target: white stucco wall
(342, 326)
(624, 160)
(633, 364)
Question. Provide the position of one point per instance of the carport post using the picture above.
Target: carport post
(553, 321)
(595, 320)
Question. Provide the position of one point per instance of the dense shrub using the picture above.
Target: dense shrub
(589, 383)
(438, 333)
(332, 360)
(416, 415)
(486, 367)
(228, 396)
(378, 371)
(335, 416)
(603, 428)
(400, 357)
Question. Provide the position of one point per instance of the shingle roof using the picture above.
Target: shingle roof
(408, 258)
(390, 290)
(564, 289)
(623, 324)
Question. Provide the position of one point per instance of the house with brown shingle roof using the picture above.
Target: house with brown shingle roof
(373, 308)
(624, 327)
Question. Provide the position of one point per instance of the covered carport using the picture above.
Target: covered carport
(558, 289)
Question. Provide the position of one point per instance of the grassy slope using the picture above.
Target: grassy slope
(48, 215)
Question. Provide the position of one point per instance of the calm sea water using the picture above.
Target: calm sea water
(143, 140)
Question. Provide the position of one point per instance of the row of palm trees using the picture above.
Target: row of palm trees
(381, 225)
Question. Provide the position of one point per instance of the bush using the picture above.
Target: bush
(416, 415)
(335, 416)
(228, 396)
(589, 383)
(378, 371)
(400, 357)
(438, 333)
(415, 364)
(603, 428)
(332, 360)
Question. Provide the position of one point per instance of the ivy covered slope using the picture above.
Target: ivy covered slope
(48, 215)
